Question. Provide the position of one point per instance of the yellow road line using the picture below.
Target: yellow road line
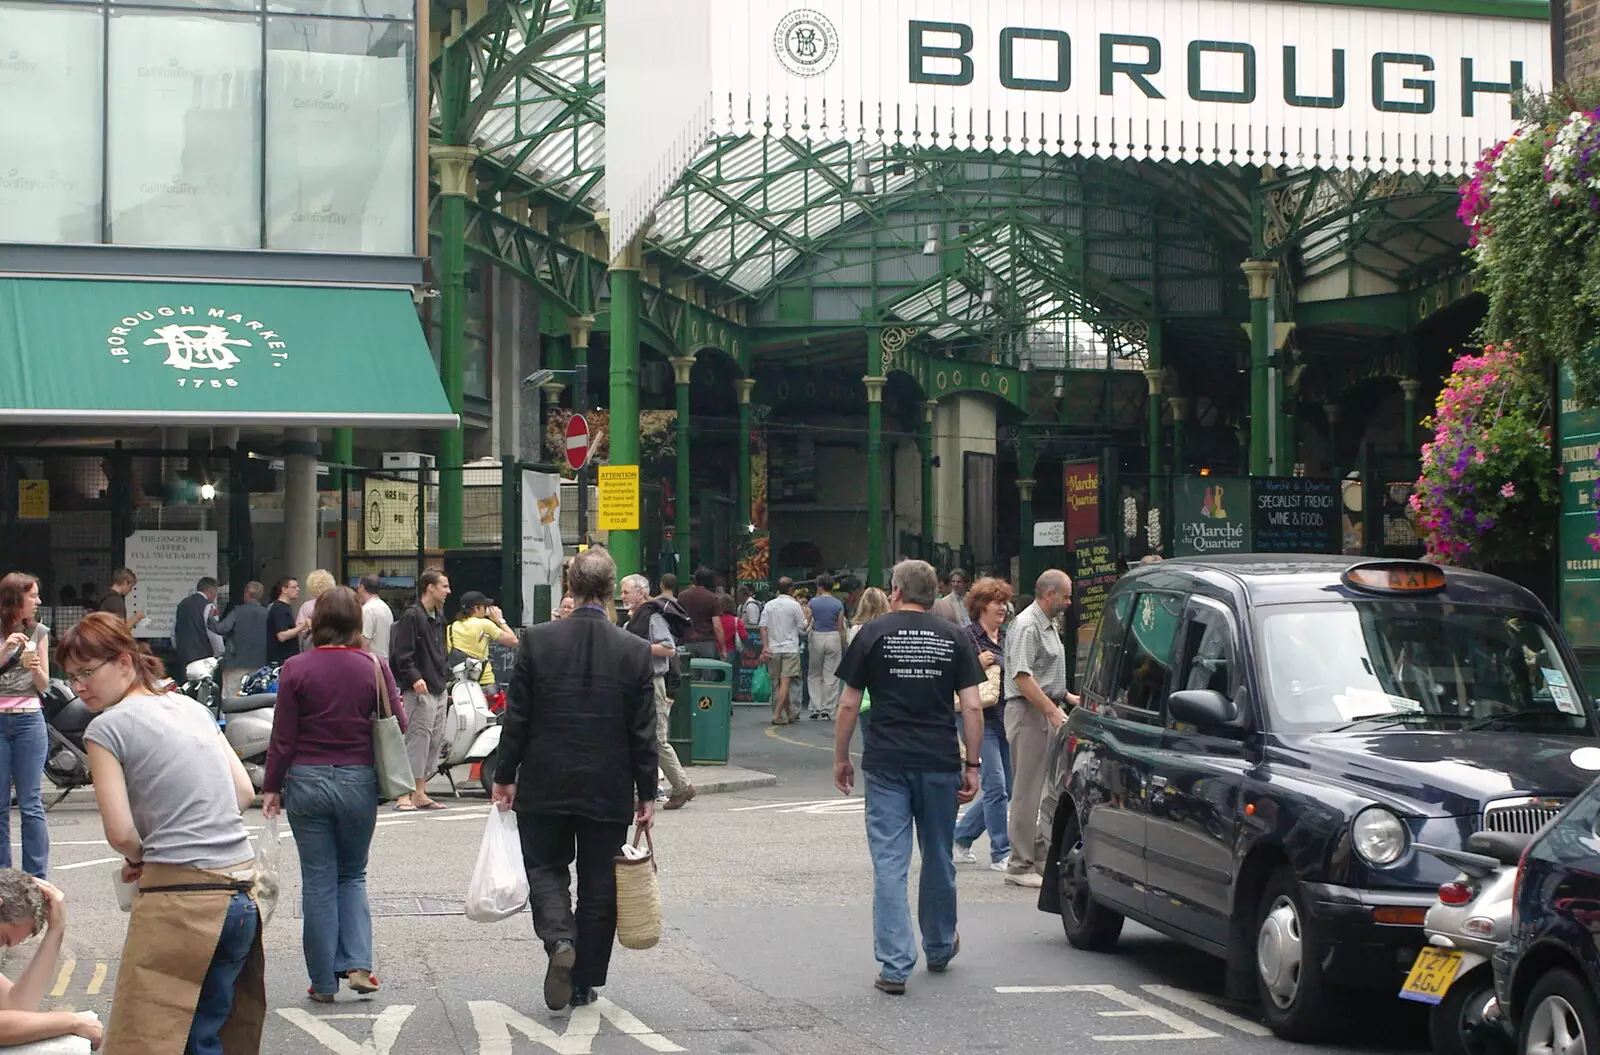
(64, 979)
(97, 979)
(772, 731)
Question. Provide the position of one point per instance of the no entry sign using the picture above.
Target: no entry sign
(577, 441)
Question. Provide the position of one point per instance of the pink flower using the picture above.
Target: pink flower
(1508, 490)
(1480, 457)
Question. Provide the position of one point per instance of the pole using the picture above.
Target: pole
(1180, 410)
(344, 453)
(925, 443)
(455, 183)
(625, 545)
(1260, 274)
(745, 387)
(682, 369)
(580, 326)
(875, 477)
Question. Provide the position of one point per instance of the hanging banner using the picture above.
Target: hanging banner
(1082, 490)
(1350, 86)
(541, 542)
(1211, 516)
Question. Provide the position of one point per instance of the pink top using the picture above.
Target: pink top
(18, 692)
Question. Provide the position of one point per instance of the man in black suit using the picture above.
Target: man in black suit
(189, 634)
(578, 759)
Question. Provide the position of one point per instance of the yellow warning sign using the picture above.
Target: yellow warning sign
(619, 498)
(33, 499)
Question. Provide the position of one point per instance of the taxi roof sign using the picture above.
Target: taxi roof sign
(1394, 577)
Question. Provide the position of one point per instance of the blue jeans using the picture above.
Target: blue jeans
(216, 990)
(989, 812)
(895, 800)
(23, 743)
(333, 810)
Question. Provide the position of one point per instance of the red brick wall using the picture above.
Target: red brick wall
(1581, 43)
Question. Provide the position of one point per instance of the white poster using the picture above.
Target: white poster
(50, 79)
(168, 564)
(1296, 85)
(541, 540)
(1049, 533)
(340, 167)
(185, 130)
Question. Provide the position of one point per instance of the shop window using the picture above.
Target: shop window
(184, 128)
(52, 83)
(339, 136)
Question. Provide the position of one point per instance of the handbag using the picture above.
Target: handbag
(389, 745)
(638, 894)
(988, 689)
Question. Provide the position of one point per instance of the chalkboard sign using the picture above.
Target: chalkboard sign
(1295, 514)
(1094, 571)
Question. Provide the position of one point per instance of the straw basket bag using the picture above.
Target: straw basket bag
(638, 894)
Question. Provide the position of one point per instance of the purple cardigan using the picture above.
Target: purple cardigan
(326, 702)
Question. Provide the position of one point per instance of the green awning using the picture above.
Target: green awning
(76, 352)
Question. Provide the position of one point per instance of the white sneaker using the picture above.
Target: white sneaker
(964, 856)
(1001, 865)
(1033, 880)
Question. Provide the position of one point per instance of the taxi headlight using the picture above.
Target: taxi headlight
(1379, 836)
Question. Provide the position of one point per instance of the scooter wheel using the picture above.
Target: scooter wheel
(486, 774)
(1457, 1025)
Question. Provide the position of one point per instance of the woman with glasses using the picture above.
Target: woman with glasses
(171, 793)
(24, 740)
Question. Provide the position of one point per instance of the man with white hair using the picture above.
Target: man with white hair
(660, 620)
(913, 664)
(1036, 692)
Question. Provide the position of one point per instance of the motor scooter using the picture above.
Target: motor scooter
(1471, 919)
(66, 761)
(245, 721)
(471, 728)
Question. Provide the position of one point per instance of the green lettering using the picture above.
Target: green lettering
(1138, 72)
(1470, 88)
(1008, 76)
(1380, 95)
(1247, 91)
(1291, 93)
(921, 52)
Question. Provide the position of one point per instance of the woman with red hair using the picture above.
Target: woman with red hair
(171, 794)
(24, 674)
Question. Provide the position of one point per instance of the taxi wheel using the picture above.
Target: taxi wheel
(1088, 924)
(1559, 1017)
(1294, 999)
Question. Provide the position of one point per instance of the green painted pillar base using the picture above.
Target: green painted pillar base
(1260, 274)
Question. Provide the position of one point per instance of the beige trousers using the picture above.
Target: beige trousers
(1028, 733)
(677, 779)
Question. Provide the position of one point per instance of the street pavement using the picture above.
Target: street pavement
(767, 895)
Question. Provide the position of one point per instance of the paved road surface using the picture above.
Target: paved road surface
(768, 949)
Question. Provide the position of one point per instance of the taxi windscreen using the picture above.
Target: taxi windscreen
(1402, 663)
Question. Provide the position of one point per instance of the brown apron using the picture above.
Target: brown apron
(172, 937)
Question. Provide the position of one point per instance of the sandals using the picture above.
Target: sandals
(319, 998)
(362, 981)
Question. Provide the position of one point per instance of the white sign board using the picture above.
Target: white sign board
(1050, 533)
(168, 564)
(541, 541)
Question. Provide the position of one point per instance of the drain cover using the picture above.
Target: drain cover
(420, 905)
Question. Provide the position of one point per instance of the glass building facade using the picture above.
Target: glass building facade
(210, 124)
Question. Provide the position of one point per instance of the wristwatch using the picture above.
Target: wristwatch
(974, 765)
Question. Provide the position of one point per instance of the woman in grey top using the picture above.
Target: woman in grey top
(24, 674)
(171, 793)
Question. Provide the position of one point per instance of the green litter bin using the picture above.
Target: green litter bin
(712, 711)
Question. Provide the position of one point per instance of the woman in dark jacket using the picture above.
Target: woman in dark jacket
(320, 769)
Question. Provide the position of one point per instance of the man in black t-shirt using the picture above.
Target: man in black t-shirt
(283, 632)
(914, 665)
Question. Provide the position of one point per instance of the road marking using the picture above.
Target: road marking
(494, 1023)
(393, 821)
(97, 979)
(780, 805)
(87, 864)
(1205, 1009)
(1182, 1028)
(64, 979)
(773, 732)
(386, 1027)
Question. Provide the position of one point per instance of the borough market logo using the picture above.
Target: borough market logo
(202, 346)
(806, 43)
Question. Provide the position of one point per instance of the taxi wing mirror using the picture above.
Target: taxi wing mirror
(1202, 708)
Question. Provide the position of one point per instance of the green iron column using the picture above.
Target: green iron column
(925, 449)
(455, 184)
(875, 473)
(682, 368)
(1410, 387)
(344, 453)
(1260, 274)
(745, 386)
(625, 309)
(1331, 412)
(1027, 461)
(1152, 401)
(1180, 410)
(579, 327)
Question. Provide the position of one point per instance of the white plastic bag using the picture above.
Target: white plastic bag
(499, 887)
(68, 1045)
(267, 870)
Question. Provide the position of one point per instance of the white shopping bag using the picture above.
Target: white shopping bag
(267, 880)
(69, 1045)
(499, 887)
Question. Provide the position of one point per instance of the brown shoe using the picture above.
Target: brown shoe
(363, 982)
(679, 799)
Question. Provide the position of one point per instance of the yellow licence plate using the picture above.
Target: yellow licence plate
(1431, 975)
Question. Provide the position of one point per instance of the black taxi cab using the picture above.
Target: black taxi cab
(1262, 743)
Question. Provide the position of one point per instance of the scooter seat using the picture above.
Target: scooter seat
(243, 704)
